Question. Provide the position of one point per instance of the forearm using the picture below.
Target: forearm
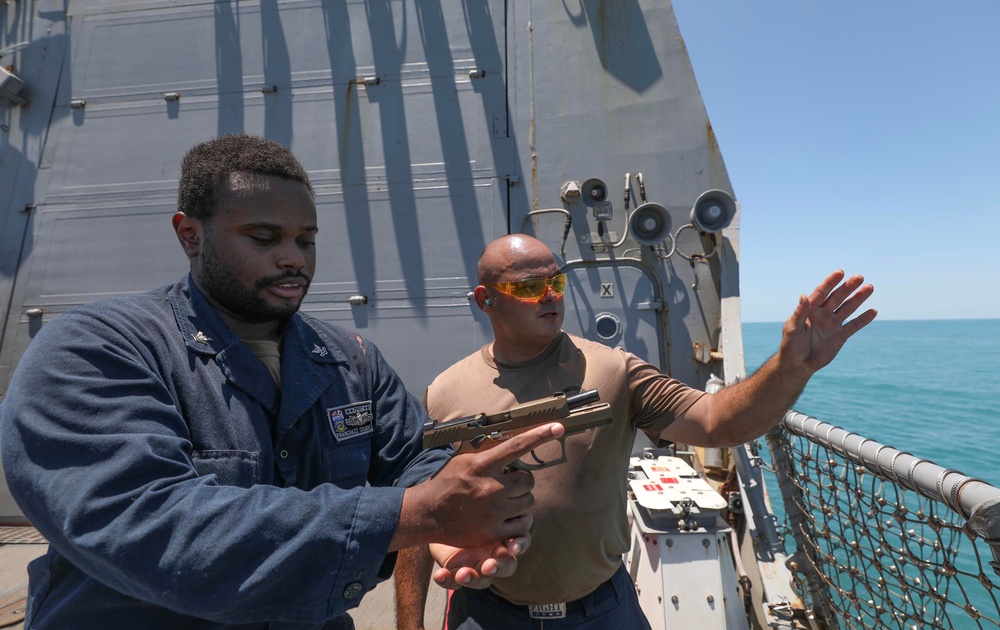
(217, 564)
(810, 339)
(748, 409)
(413, 575)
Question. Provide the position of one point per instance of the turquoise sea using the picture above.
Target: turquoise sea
(931, 388)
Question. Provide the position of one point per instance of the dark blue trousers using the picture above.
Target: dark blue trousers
(613, 604)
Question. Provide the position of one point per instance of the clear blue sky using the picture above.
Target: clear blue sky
(858, 135)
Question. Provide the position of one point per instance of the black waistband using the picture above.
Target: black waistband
(602, 593)
(607, 590)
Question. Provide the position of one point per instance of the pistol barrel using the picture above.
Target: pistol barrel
(583, 398)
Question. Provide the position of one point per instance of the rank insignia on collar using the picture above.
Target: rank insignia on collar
(320, 350)
(200, 337)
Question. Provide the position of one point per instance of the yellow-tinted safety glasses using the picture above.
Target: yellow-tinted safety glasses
(532, 288)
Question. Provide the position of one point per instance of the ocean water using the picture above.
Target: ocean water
(931, 388)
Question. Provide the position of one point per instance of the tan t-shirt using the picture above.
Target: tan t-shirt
(269, 353)
(580, 525)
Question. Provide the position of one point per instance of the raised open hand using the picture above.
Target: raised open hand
(819, 326)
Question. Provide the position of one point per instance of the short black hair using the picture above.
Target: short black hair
(207, 166)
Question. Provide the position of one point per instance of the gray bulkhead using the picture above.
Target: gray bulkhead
(428, 129)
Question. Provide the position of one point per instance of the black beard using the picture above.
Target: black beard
(219, 282)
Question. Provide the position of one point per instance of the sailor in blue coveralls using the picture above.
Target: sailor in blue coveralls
(204, 456)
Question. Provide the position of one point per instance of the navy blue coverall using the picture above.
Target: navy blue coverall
(179, 487)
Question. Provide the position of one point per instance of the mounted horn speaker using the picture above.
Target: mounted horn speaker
(713, 211)
(593, 192)
(649, 223)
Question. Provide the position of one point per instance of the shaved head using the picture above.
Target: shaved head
(509, 257)
(522, 328)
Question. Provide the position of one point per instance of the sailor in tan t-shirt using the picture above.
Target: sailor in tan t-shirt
(573, 568)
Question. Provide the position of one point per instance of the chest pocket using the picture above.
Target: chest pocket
(346, 465)
(233, 468)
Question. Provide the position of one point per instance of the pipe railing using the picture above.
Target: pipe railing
(975, 500)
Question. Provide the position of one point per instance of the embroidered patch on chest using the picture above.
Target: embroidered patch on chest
(351, 421)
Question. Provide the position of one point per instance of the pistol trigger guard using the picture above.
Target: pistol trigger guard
(522, 465)
(540, 463)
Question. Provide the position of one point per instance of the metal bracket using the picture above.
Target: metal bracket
(10, 87)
